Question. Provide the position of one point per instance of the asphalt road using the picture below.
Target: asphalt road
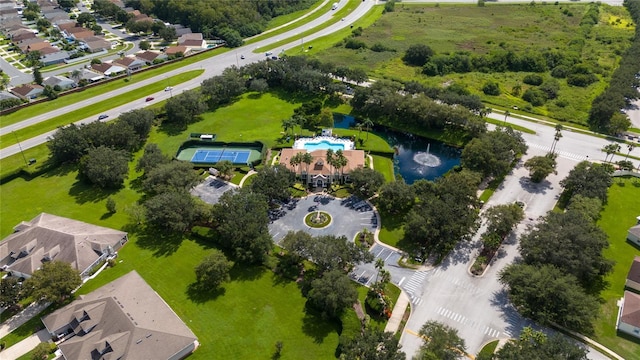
(212, 67)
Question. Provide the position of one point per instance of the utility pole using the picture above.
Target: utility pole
(20, 147)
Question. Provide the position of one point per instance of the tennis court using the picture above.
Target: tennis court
(214, 156)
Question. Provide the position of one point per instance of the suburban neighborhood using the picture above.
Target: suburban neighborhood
(360, 179)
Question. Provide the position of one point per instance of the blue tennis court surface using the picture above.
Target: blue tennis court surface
(214, 156)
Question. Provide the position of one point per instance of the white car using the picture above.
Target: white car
(168, 88)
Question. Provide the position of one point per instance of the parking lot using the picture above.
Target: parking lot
(211, 189)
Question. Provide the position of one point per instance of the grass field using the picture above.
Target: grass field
(255, 310)
(618, 216)
(521, 28)
(94, 109)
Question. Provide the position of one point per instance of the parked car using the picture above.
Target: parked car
(103, 116)
(149, 99)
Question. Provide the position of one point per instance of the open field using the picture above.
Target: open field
(519, 28)
(255, 310)
(618, 216)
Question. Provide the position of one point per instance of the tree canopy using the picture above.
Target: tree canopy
(332, 293)
(105, 167)
(365, 182)
(329, 252)
(493, 153)
(537, 345)
(170, 176)
(9, 292)
(273, 182)
(151, 158)
(396, 197)
(540, 167)
(53, 282)
(175, 211)
(372, 344)
(213, 270)
(441, 342)
(588, 179)
(183, 108)
(241, 222)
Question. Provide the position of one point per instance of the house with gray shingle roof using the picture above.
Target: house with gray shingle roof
(124, 319)
(59, 80)
(629, 314)
(49, 237)
(633, 234)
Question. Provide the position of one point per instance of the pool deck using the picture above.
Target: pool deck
(301, 142)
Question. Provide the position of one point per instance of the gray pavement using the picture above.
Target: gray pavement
(345, 219)
(25, 345)
(211, 189)
(25, 315)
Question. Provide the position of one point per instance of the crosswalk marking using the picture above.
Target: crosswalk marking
(474, 290)
(564, 154)
(459, 318)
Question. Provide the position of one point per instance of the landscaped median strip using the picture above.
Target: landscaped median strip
(346, 9)
(82, 113)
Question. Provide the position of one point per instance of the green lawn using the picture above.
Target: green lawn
(384, 165)
(255, 310)
(517, 27)
(94, 109)
(618, 216)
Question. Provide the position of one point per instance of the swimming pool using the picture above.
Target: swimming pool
(323, 143)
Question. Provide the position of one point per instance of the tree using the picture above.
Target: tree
(37, 75)
(396, 197)
(241, 222)
(365, 182)
(588, 179)
(53, 282)
(325, 119)
(10, 289)
(111, 205)
(491, 88)
(224, 88)
(295, 161)
(494, 152)
(32, 59)
(340, 160)
(506, 115)
(50, 92)
(537, 345)
(273, 182)
(213, 271)
(556, 137)
(105, 167)
(328, 252)
(630, 147)
(171, 176)
(441, 342)
(589, 207)
(225, 167)
(67, 4)
(168, 34)
(332, 293)
(501, 219)
(182, 109)
(307, 159)
(572, 244)
(372, 344)
(259, 85)
(175, 211)
(151, 158)
(67, 144)
(618, 124)
(145, 45)
(288, 124)
(368, 124)
(417, 55)
(611, 150)
(541, 166)
(549, 295)
(85, 18)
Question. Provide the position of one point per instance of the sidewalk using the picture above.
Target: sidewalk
(18, 319)
(25, 345)
(398, 312)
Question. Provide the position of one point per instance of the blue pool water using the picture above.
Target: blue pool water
(323, 145)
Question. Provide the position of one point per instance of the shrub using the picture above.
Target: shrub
(355, 44)
(560, 72)
(535, 97)
(532, 79)
(581, 80)
(491, 88)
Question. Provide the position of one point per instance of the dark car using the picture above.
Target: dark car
(149, 99)
(103, 116)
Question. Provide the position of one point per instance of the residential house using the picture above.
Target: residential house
(65, 26)
(7, 26)
(193, 41)
(108, 69)
(175, 50)
(42, 46)
(96, 44)
(21, 34)
(180, 30)
(26, 92)
(319, 172)
(4, 95)
(124, 319)
(88, 75)
(49, 237)
(61, 81)
(82, 35)
(629, 314)
(150, 56)
(634, 233)
(129, 62)
(55, 58)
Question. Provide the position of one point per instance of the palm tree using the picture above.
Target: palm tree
(287, 124)
(556, 137)
(330, 161)
(359, 127)
(295, 161)
(379, 267)
(611, 149)
(630, 147)
(368, 124)
(75, 75)
(340, 161)
(506, 115)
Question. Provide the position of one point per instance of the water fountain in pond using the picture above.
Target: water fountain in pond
(426, 158)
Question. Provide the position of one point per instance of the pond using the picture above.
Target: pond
(416, 157)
